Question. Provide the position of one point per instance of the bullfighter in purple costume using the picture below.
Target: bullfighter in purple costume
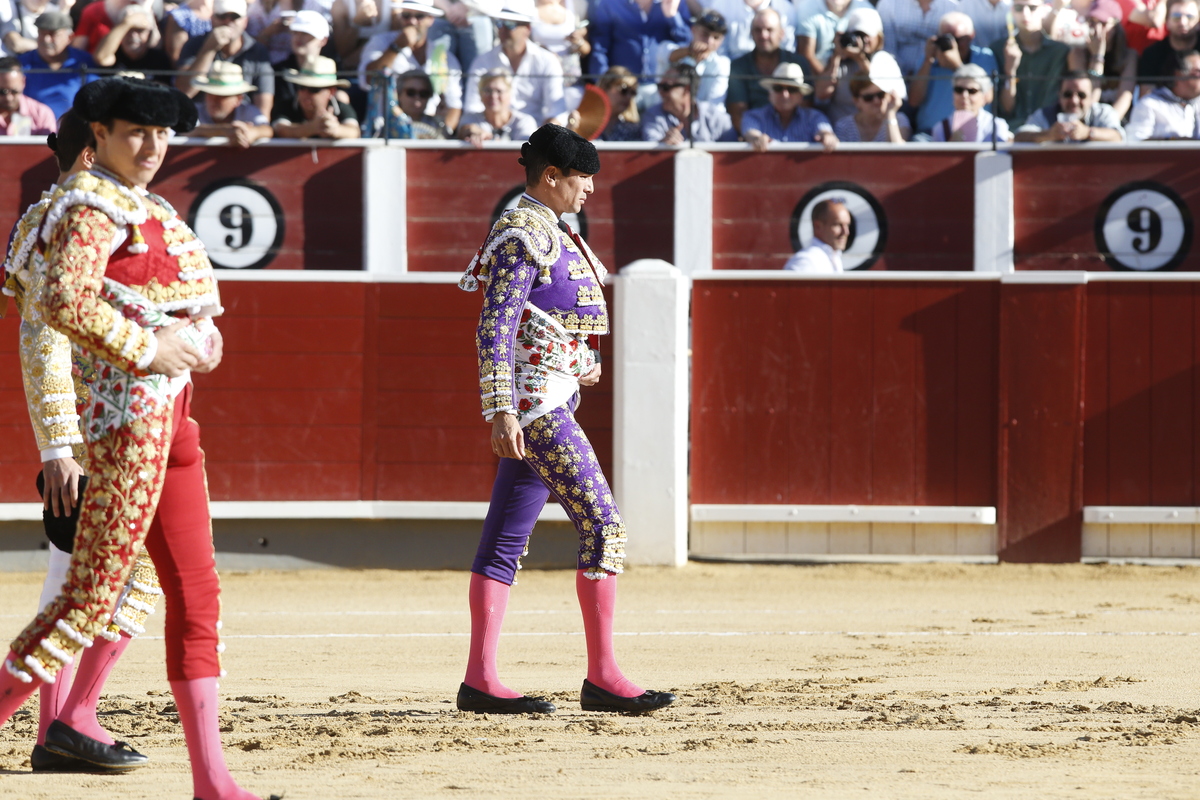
(542, 299)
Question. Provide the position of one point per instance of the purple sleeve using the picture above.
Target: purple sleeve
(504, 298)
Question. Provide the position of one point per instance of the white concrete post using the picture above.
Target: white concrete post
(693, 211)
(650, 410)
(994, 225)
(385, 200)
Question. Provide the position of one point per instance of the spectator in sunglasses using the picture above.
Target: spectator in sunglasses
(786, 119)
(1034, 61)
(537, 73)
(624, 123)
(317, 113)
(1157, 63)
(678, 112)
(878, 118)
(931, 90)
(498, 120)
(21, 115)
(1172, 111)
(857, 51)
(971, 122)
(1074, 117)
(746, 72)
(408, 46)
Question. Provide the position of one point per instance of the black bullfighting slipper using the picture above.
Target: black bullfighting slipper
(66, 741)
(593, 698)
(42, 760)
(482, 703)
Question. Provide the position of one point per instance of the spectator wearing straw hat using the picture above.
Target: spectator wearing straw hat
(225, 108)
(408, 46)
(668, 121)
(55, 70)
(228, 41)
(309, 37)
(128, 46)
(785, 119)
(316, 114)
(745, 91)
(537, 73)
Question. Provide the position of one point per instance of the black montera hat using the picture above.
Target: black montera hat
(562, 148)
(136, 100)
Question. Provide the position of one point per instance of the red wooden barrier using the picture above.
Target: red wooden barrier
(329, 391)
(844, 392)
(454, 195)
(924, 199)
(1062, 198)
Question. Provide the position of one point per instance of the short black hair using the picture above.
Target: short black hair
(824, 210)
(74, 134)
(1182, 57)
(1076, 75)
(536, 165)
(554, 146)
(10, 64)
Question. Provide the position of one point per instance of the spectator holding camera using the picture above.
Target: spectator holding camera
(1157, 64)
(1074, 117)
(907, 26)
(785, 119)
(1107, 57)
(1032, 64)
(818, 23)
(857, 51)
(704, 55)
(970, 121)
(747, 72)
(878, 118)
(1172, 111)
(932, 91)
(678, 112)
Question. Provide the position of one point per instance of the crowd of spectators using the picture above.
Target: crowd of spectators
(668, 71)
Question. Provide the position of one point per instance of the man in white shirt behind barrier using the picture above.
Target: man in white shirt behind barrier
(831, 231)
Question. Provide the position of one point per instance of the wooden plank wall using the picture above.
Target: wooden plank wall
(823, 392)
(927, 197)
(329, 391)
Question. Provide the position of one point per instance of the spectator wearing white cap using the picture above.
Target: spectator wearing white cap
(932, 91)
(317, 113)
(309, 34)
(970, 121)
(269, 22)
(407, 46)
(498, 121)
(785, 119)
(704, 55)
(225, 110)
(858, 50)
(127, 46)
(907, 26)
(818, 23)
(537, 73)
(228, 41)
(739, 16)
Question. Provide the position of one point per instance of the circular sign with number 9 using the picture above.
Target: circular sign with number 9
(1144, 226)
(240, 223)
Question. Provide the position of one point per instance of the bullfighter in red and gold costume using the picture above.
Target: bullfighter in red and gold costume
(130, 285)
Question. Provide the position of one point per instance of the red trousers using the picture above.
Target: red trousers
(151, 465)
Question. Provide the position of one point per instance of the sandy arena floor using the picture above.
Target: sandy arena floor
(921, 681)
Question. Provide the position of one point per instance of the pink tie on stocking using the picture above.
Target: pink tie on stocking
(95, 664)
(598, 602)
(198, 713)
(52, 697)
(13, 691)
(488, 600)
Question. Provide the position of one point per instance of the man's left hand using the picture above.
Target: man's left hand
(827, 140)
(213, 360)
(592, 378)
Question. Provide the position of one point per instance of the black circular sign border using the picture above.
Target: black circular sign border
(843, 186)
(502, 206)
(1185, 245)
(216, 186)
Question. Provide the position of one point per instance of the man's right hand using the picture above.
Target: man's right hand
(221, 37)
(367, 14)
(1012, 57)
(62, 485)
(174, 356)
(507, 439)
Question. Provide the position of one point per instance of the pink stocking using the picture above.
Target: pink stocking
(13, 691)
(95, 663)
(489, 600)
(598, 601)
(52, 696)
(198, 713)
